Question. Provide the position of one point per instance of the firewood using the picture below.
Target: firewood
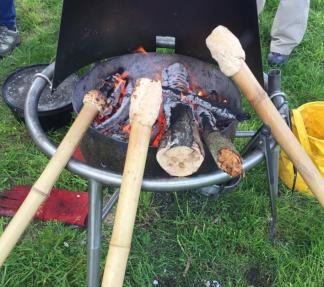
(224, 153)
(221, 148)
(181, 151)
(121, 114)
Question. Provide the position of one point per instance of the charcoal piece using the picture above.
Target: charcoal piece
(174, 78)
(121, 114)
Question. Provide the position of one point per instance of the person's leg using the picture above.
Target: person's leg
(289, 25)
(9, 36)
(8, 14)
(260, 5)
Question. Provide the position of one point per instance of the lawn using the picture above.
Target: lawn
(180, 239)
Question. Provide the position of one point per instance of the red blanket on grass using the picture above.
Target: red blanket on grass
(62, 205)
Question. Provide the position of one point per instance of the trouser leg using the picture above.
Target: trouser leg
(260, 5)
(289, 25)
(7, 13)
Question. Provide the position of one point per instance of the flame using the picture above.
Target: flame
(124, 75)
(201, 93)
(162, 125)
(120, 79)
(157, 77)
(141, 50)
(126, 128)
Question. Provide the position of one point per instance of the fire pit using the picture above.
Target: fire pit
(97, 176)
(94, 31)
(105, 149)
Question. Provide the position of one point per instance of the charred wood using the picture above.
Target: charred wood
(181, 152)
(121, 114)
(221, 148)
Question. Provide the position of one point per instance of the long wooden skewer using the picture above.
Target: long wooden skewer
(93, 103)
(227, 51)
(145, 105)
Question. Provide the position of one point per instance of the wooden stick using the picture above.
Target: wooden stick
(145, 105)
(93, 103)
(227, 51)
(181, 151)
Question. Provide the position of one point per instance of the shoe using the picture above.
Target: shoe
(277, 58)
(8, 40)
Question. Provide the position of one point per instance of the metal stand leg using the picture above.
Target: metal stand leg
(110, 204)
(273, 189)
(275, 161)
(94, 233)
(262, 140)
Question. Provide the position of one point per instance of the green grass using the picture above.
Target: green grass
(224, 239)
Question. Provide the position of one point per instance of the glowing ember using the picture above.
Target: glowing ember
(177, 89)
(201, 93)
(161, 126)
(126, 128)
(141, 50)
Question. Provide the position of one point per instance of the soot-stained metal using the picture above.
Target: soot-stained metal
(98, 29)
(107, 152)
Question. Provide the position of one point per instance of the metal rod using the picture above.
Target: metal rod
(94, 233)
(275, 162)
(244, 134)
(110, 204)
(112, 178)
(274, 81)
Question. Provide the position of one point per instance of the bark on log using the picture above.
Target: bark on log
(222, 149)
(181, 151)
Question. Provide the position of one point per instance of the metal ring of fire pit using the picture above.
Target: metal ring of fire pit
(111, 178)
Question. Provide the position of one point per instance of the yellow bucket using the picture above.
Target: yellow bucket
(308, 127)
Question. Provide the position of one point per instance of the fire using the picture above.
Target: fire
(201, 93)
(141, 50)
(124, 75)
(126, 128)
(120, 79)
(162, 125)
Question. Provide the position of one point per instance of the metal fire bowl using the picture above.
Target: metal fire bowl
(113, 178)
(105, 152)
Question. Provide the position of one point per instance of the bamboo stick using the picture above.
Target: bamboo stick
(93, 103)
(227, 51)
(145, 105)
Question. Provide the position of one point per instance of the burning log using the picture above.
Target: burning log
(177, 130)
(121, 114)
(221, 148)
(181, 151)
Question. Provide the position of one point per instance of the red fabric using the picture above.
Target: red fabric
(78, 154)
(62, 205)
